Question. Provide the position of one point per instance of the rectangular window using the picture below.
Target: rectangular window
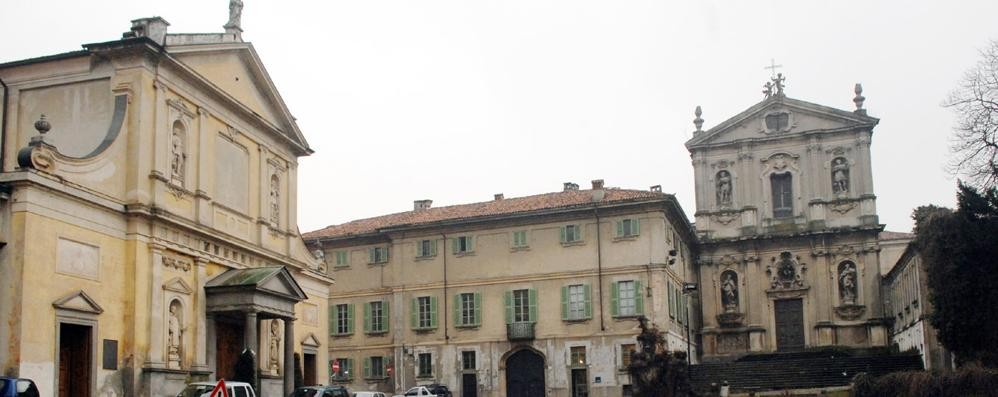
(571, 234)
(783, 196)
(376, 317)
(426, 248)
(345, 372)
(576, 301)
(378, 254)
(627, 298)
(628, 227)
(625, 290)
(462, 245)
(374, 367)
(672, 300)
(520, 239)
(344, 319)
(425, 366)
(521, 306)
(468, 309)
(424, 312)
(468, 360)
(342, 258)
(625, 354)
(578, 356)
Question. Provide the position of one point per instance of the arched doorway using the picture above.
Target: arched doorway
(525, 374)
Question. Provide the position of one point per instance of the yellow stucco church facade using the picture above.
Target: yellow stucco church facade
(148, 219)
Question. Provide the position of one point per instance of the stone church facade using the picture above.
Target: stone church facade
(149, 221)
(787, 222)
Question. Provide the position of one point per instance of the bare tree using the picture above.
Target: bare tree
(975, 101)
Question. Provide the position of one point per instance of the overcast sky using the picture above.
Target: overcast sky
(457, 100)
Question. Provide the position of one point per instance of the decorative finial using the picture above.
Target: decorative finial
(767, 89)
(778, 83)
(698, 121)
(859, 99)
(43, 125)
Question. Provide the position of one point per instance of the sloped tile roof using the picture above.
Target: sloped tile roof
(889, 235)
(508, 206)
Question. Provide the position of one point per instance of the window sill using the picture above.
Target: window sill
(632, 237)
(341, 267)
(425, 258)
(377, 263)
(376, 333)
(466, 253)
(376, 378)
(573, 243)
(424, 330)
(467, 326)
(628, 316)
(342, 335)
(430, 376)
(519, 249)
(576, 320)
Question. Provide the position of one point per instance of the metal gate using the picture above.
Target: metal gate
(525, 374)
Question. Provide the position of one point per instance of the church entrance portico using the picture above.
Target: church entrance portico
(237, 301)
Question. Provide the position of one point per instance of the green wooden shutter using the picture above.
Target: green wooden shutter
(346, 368)
(458, 319)
(564, 303)
(332, 319)
(614, 300)
(564, 234)
(639, 298)
(635, 226)
(414, 313)
(370, 253)
(433, 247)
(367, 316)
(532, 304)
(454, 246)
(508, 300)
(385, 316)
(367, 367)
(478, 309)
(578, 232)
(620, 228)
(350, 318)
(471, 243)
(588, 297)
(433, 312)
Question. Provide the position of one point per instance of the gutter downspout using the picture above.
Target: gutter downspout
(3, 127)
(599, 268)
(446, 334)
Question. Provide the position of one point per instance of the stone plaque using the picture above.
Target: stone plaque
(110, 357)
(77, 259)
(310, 314)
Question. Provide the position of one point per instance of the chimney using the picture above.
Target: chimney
(153, 28)
(571, 186)
(499, 196)
(420, 205)
(656, 188)
(597, 184)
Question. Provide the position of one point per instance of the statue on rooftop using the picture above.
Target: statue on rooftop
(235, 14)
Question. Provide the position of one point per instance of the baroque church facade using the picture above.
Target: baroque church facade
(789, 253)
(149, 221)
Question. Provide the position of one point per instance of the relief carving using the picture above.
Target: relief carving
(176, 263)
(786, 273)
(275, 200)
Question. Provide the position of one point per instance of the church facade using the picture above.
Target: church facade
(788, 229)
(147, 201)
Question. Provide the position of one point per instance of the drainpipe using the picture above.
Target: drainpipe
(446, 334)
(599, 269)
(3, 126)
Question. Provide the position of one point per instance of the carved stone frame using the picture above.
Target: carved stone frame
(86, 315)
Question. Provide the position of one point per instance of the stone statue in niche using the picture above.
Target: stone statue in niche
(729, 291)
(178, 155)
(275, 200)
(840, 176)
(275, 346)
(847, 283)
(724, 189)
(786, 274)
(174, 341)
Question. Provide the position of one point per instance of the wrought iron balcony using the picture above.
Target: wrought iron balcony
(520, 331)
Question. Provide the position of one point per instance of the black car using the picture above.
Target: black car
(321, 391)
(439, 390)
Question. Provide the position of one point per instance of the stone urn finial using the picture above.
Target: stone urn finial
(859, 99)
(39, 154)
(43, 125)
(698, 122)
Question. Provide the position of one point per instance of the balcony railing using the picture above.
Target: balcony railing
(520, 331)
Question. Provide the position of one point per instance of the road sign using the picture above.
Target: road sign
(336, 366)
(220, 390)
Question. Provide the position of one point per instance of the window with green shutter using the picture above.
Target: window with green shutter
(520, 239)
(627, 298)
(468, 309)
(424, 313)
(343, 319)
(628, 227)
(346, 370)
(571, 234)
(462, 245)
(426, 249)
(342, 258)
(576, 303)
(378, 254)
(376, 317)
(521, 306)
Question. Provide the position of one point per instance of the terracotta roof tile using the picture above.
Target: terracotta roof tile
(508, 206)
(889, 235)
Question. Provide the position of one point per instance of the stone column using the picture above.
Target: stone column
(289, 356)
(211, 348)
(200, 314)
(157, 339)
(250, 340)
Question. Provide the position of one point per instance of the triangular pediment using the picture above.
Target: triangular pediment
(236, 69)
(779, 117)
(310, 340)
(78, 301)
(271, 279)
(178, 285)
(283, 283)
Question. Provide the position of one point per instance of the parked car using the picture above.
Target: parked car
(203, 389)
(420, 391)
(321, 391)
(439, 390)
(369, 394)
(14, 387)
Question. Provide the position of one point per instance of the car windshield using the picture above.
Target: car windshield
(306, 392)
(195, 391)
(413, 392)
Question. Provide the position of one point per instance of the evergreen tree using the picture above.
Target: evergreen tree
(960, 252)
(655, 371)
